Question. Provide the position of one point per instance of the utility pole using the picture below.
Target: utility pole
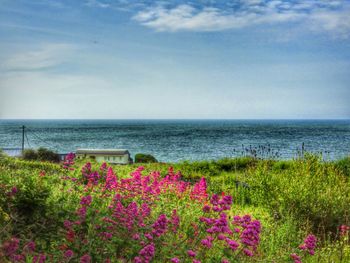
(23, 127)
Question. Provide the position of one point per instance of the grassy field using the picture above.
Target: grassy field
(83, 213)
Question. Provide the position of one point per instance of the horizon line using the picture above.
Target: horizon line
(172, 119)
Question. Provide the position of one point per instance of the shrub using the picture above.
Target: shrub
(312, 191)
(30, 155)
(47, 155)
(344, 165)
(145, 158)
(282, 165)
(42, 154)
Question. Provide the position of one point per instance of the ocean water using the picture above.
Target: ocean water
(177, 140)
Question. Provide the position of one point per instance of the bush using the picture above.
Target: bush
(344, 165)
(30, 155)
(47, 155)
(312, 191)
(41, 154)
(145, 158)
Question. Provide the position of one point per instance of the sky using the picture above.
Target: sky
(208, 59)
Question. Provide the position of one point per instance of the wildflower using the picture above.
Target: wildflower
(86, 200)
(160, 226)
(344, 229)
(85, 259)
(232, 244)
(68, 254)
(40, 259)
(199, 191)
(136, 237)
(147, 253)
(13, 191)
(29, 247)
(82, 212)
(248, 252)
(145, 210)
(70, 235)
(207, 242)
(111, 180)
(175, 220)
(191, 253)
(103, 167)
(236, 220)
(175, 260)
(10, 247)
(67, 224)
(250, 235)
(206, 208)
(148, 236)
(309, 244)
(69, 161)
(221, 236)
(214, 200)
(296, 258)
(17, 258)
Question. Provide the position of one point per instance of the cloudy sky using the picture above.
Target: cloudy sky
(174, 59)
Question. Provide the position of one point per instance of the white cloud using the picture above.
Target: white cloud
(317, 15)
(46, 56)
(338, 23)
(97, 3)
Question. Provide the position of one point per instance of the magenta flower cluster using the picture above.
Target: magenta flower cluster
(145, 212)
(69, 161)
(309, 244)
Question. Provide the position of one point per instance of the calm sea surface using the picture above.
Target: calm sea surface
(175, 140)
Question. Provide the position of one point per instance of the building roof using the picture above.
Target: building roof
(102, 151)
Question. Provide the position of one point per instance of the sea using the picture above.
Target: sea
(185, 140)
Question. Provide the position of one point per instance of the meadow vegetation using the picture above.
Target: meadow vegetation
(231, 210)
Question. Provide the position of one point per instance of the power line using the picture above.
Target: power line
(38, 138)
(28, 141)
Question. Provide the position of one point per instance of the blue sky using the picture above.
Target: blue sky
(174, 59)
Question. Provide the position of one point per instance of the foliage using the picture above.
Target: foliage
(344, 165)
(310, 190)
(47, 155)
(42, 154)
(88, 212)
(30, 155)
(145, 158)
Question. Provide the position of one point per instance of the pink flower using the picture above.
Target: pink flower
(248, 252)
(175, 260)
(68, 253)
(199, 190)
(29, 247)
(147, 253)
(160, 226)
(206, 208)
(14, 190)
(309, 244)
(10, 247)
(85, 259)
(86, 200)
(136, 237)
(191, 253)
(111, 180)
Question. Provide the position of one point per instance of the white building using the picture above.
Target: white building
(116, 156)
